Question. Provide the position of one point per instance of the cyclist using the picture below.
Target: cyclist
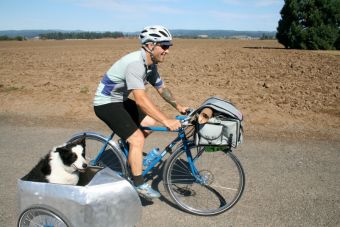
(128, 75)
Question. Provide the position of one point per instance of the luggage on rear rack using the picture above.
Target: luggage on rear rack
(223, 128)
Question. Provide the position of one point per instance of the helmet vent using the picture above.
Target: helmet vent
(155, 35)
(163, 33)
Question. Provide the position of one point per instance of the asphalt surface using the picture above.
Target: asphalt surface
(289, 182)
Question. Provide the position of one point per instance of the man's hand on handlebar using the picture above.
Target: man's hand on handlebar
(172, 124)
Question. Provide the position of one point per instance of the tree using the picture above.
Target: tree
(17, 38)
(310, 24)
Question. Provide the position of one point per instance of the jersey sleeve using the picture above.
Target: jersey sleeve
(154, 78)
(134, 76)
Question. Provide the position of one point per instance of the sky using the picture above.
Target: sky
(134, 15)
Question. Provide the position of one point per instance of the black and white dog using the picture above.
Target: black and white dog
(61, 165)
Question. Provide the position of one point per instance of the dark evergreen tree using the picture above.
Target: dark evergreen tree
(310, 24)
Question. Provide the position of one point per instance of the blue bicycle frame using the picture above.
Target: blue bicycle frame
(181, 136)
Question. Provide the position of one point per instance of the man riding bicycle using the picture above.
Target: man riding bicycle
(128, 75)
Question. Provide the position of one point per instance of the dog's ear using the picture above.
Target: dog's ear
(63, 150)
(66, 156)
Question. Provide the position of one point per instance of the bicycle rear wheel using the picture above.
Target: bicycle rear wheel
(216, 188)
(111, 155)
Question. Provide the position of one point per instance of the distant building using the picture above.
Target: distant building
(243, 37)
(203, 36)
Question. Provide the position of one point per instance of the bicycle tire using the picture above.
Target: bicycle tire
(41, 216)
(223, 185)
(111, 157)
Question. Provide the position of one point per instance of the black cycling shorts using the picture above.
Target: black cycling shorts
(123, 118)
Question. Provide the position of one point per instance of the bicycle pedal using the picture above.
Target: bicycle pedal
(146, 198)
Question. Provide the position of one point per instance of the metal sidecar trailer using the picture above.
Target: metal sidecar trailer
(106, 200)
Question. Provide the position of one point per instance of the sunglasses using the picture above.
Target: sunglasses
(164, 47)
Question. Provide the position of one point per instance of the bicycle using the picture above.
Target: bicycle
(200, 181)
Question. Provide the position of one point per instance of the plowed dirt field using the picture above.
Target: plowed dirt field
(281, 92)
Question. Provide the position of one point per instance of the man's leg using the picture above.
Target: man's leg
(136, 143)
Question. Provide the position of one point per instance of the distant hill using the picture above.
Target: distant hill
(184, 33)
(220, 33)
(187, 33)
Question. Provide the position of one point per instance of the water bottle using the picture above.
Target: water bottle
(150, 156)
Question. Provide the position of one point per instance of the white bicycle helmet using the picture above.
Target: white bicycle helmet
(155, 34)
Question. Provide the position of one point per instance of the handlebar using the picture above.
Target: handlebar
(185, 119)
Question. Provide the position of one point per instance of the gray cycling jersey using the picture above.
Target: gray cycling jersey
(128, 73)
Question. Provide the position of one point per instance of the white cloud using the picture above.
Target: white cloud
(111, 5)
(264, 3)
(233, 2)
(133, 14)
(244, 21)
(131, 7)
(228, 16)
(260, 3)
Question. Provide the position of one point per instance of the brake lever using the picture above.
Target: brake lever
(186, 120)
(189, 111)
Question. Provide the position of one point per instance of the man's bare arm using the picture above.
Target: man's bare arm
(151, 110)
(167, 96)
(147, 106)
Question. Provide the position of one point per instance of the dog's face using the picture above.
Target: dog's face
(73, 155)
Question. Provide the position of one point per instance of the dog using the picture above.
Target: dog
(61, 165)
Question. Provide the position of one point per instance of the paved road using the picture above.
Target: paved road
(289, 182)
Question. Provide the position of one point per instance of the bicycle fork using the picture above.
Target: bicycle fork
(195, 173)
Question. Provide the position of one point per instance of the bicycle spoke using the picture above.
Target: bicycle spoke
(225, 188)
(183, 165)
(217, 187)
(182, 180)
(40, 217)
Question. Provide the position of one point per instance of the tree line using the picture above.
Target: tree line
(81, 35)
(7, 38)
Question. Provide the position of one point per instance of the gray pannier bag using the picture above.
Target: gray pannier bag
(224, 128)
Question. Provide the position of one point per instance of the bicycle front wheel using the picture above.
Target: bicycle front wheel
(214, 185)
(101, 153)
